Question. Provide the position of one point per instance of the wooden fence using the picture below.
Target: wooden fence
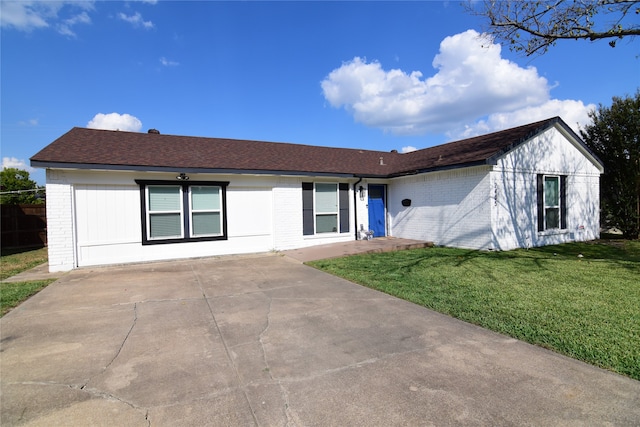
(24, 226)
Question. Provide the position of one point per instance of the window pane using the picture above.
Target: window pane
(552, 218)
(205, 198)
(326, 198)
(326, 223)
(206, 223)
(375, 191)
(164, 198)
(165, 225)
(551, 191)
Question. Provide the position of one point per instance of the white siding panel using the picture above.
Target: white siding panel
(249, 212)
(107, 216)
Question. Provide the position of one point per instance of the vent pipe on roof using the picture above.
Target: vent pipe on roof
(153, 131)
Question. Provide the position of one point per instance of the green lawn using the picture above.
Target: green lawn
(12, 294)
(585, 307)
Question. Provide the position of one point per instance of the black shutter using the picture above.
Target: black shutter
(563, 202)
(540, 202)
(344, 207)
(143, 212)
(307, 209)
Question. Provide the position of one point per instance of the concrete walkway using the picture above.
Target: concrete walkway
(264, 340)
(337, 250)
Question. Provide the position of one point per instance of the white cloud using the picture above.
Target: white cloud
(472, 81)
(12, 162)
(115, 121)
(136, 20)
(574, 113)
(29, 15)
(30, 122)
(65, 26)
(22, 16)
(408, 149)
(164, 61)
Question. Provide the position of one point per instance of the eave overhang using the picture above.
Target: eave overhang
(171, 169)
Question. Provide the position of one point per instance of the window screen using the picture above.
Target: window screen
(326, 208)
(165, 215)
(205, 211)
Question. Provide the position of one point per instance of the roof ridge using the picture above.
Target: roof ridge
(215, 138)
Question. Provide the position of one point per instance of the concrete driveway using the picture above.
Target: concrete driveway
(264, 340)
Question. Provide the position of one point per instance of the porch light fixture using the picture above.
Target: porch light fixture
(182, 177)
(361, 192)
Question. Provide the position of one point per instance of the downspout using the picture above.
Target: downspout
(355, 204)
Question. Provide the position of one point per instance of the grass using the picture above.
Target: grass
(12, 294)
(584, 307)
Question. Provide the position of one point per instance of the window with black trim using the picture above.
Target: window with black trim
(325, 208)
(182, 212)
(552, 206)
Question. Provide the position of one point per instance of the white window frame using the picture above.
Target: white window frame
(335, 213)
(557, 208)
(150, 213)
(192, 211)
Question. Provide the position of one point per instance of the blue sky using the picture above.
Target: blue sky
(373, 75)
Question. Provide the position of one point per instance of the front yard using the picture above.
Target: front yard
(581, 300)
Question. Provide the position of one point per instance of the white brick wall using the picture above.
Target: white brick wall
(515, 199)
(60, 239)
(449, 208)
(288, 215)
(496, 207)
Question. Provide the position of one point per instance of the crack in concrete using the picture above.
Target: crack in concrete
(99, 393)
(322, 373)
(226, 348)
(90, 391)
(135, 320)
(104, 395)
(264, 350)
(156, 300)
(292, 418)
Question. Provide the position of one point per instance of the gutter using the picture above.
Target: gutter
(173, 169)
(355, 204)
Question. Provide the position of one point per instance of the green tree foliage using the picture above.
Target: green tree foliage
(534, 26)
(13, 183)
(614, 137)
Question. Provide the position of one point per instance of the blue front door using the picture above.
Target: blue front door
(377, 221)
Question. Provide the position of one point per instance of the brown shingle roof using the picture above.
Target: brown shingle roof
(104, 149)
(118, 149)
(477, 150)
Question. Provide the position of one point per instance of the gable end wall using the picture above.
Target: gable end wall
(513, 183)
